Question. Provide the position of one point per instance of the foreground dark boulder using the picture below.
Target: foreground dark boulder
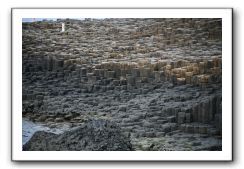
(95, 135)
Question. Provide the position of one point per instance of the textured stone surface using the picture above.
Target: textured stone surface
(152, 77)
(95, 135)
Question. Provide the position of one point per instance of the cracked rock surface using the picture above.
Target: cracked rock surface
(95, 135)
(158, 80)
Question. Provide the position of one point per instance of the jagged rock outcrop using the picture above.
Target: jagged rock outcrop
(95, 135)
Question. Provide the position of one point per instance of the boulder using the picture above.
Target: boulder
(94, 135)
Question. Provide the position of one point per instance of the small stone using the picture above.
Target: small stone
(196, 143)
(122, 108)
(59, 120)
(42, 118)
(171, 119)
(68, 117)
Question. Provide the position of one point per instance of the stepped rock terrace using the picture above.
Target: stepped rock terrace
(159, 80)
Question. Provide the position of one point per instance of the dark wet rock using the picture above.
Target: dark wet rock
(196, 143)
(95, 135)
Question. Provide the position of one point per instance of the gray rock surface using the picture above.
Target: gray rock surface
(95, 135)
(160, 80)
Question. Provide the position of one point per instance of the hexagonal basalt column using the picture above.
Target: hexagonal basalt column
(135, 72)
(181, 117)
(83, 72)
(110, 74)
(159, 76)
(130, 80)
(181, 81)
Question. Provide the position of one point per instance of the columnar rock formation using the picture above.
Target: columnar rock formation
(156, 78)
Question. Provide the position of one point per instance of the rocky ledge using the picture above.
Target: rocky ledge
(95, 135)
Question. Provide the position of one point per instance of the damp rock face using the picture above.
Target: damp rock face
(95, 135)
